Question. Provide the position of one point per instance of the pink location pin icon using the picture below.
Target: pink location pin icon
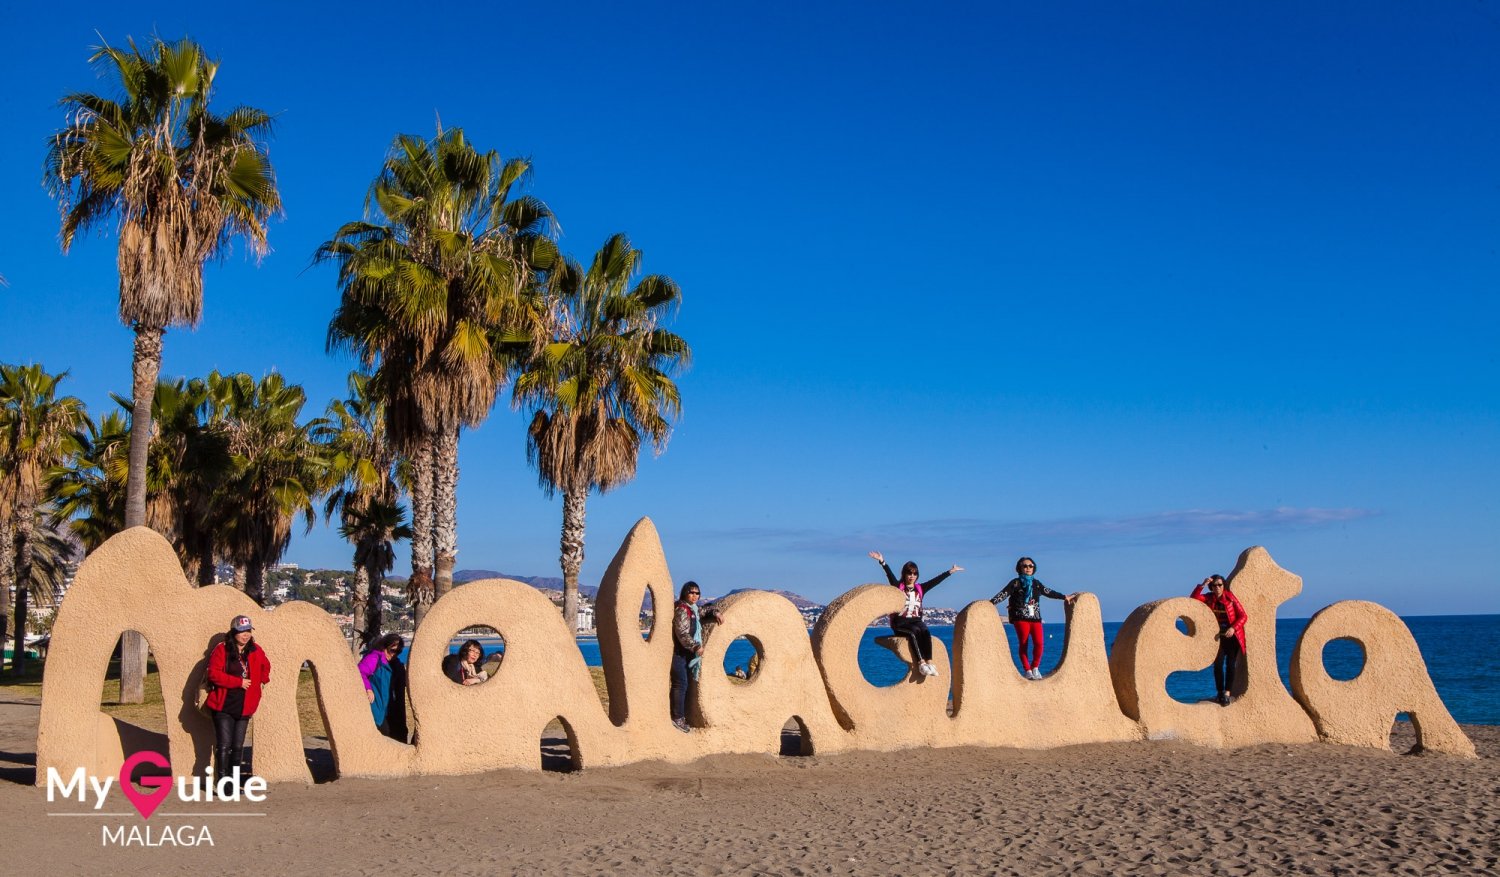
(145, 803)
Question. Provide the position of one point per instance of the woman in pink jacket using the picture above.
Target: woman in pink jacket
(1230, 613)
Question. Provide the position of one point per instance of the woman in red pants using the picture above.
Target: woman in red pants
(1022, 594)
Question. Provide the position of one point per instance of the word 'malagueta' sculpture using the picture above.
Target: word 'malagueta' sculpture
(134, 582)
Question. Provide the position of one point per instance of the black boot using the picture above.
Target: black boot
(221, 763)
(231, 764)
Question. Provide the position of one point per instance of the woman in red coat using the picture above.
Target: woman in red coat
(1230, 613)
(237, 668)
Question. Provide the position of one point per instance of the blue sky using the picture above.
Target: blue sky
(1126, 288)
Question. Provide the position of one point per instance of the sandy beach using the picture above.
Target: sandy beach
(1149, 808)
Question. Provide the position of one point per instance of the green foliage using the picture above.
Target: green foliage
(87, 492)
(230, 469)
(181, 181)
(442, 275)
(604, 383)
(42, 620)
(39, 430)
(276, 470)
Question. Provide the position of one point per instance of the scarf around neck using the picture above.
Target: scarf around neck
(695, 662)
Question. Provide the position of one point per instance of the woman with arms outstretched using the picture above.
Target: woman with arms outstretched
(908, 622)
(1022, 595)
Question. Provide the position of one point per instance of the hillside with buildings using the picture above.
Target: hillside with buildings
(332, 591)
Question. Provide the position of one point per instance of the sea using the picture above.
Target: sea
(1460, 650)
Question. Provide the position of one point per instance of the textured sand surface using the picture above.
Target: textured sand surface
(1121, 808)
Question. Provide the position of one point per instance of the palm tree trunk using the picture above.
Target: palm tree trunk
(361, 608)
(206, 571)
(572, 553)
(419, 586)
(445, 509)
(255, 577)
(25, 530)
(145, 367)
(7, 576)
(375, 608)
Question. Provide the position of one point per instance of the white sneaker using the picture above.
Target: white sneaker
(931, 669)
(926, 669)
(1034, 674)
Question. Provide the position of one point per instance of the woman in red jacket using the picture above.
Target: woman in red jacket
(1230, 613)
(237, 668)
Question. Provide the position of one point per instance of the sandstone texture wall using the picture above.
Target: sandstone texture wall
(134, 582)
(1359, 711)
(1149, 648)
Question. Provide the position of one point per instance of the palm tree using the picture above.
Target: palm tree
(187, 469)
(277, 471)
(362, 470)
(600, 388)
(38, 430)
(187, 463)
(373, 528)
(51, 555)
(52, 552)
(88, 492)
(447, 265)
(182, 184)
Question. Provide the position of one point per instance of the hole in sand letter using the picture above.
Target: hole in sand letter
(742, 658)
(316, 746)
(143, 726)
(885, 658)
(560, 747)
(647, 615)
(1343, 658)
(795, 738)
(474, 655)
(1404, 735)
(1191, 686)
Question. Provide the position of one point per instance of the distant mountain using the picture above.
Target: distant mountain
(546, 583)
(798, 600)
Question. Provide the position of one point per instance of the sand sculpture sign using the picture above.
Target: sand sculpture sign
(134, 582)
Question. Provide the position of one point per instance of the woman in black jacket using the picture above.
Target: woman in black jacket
(1021, 595)
(908, 622)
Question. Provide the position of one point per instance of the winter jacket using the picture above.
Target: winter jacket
(1229, 611)
(375, 670)
(1023, 602)
(914, 594)
(257, 670)
(689, 623)
(452, 668)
